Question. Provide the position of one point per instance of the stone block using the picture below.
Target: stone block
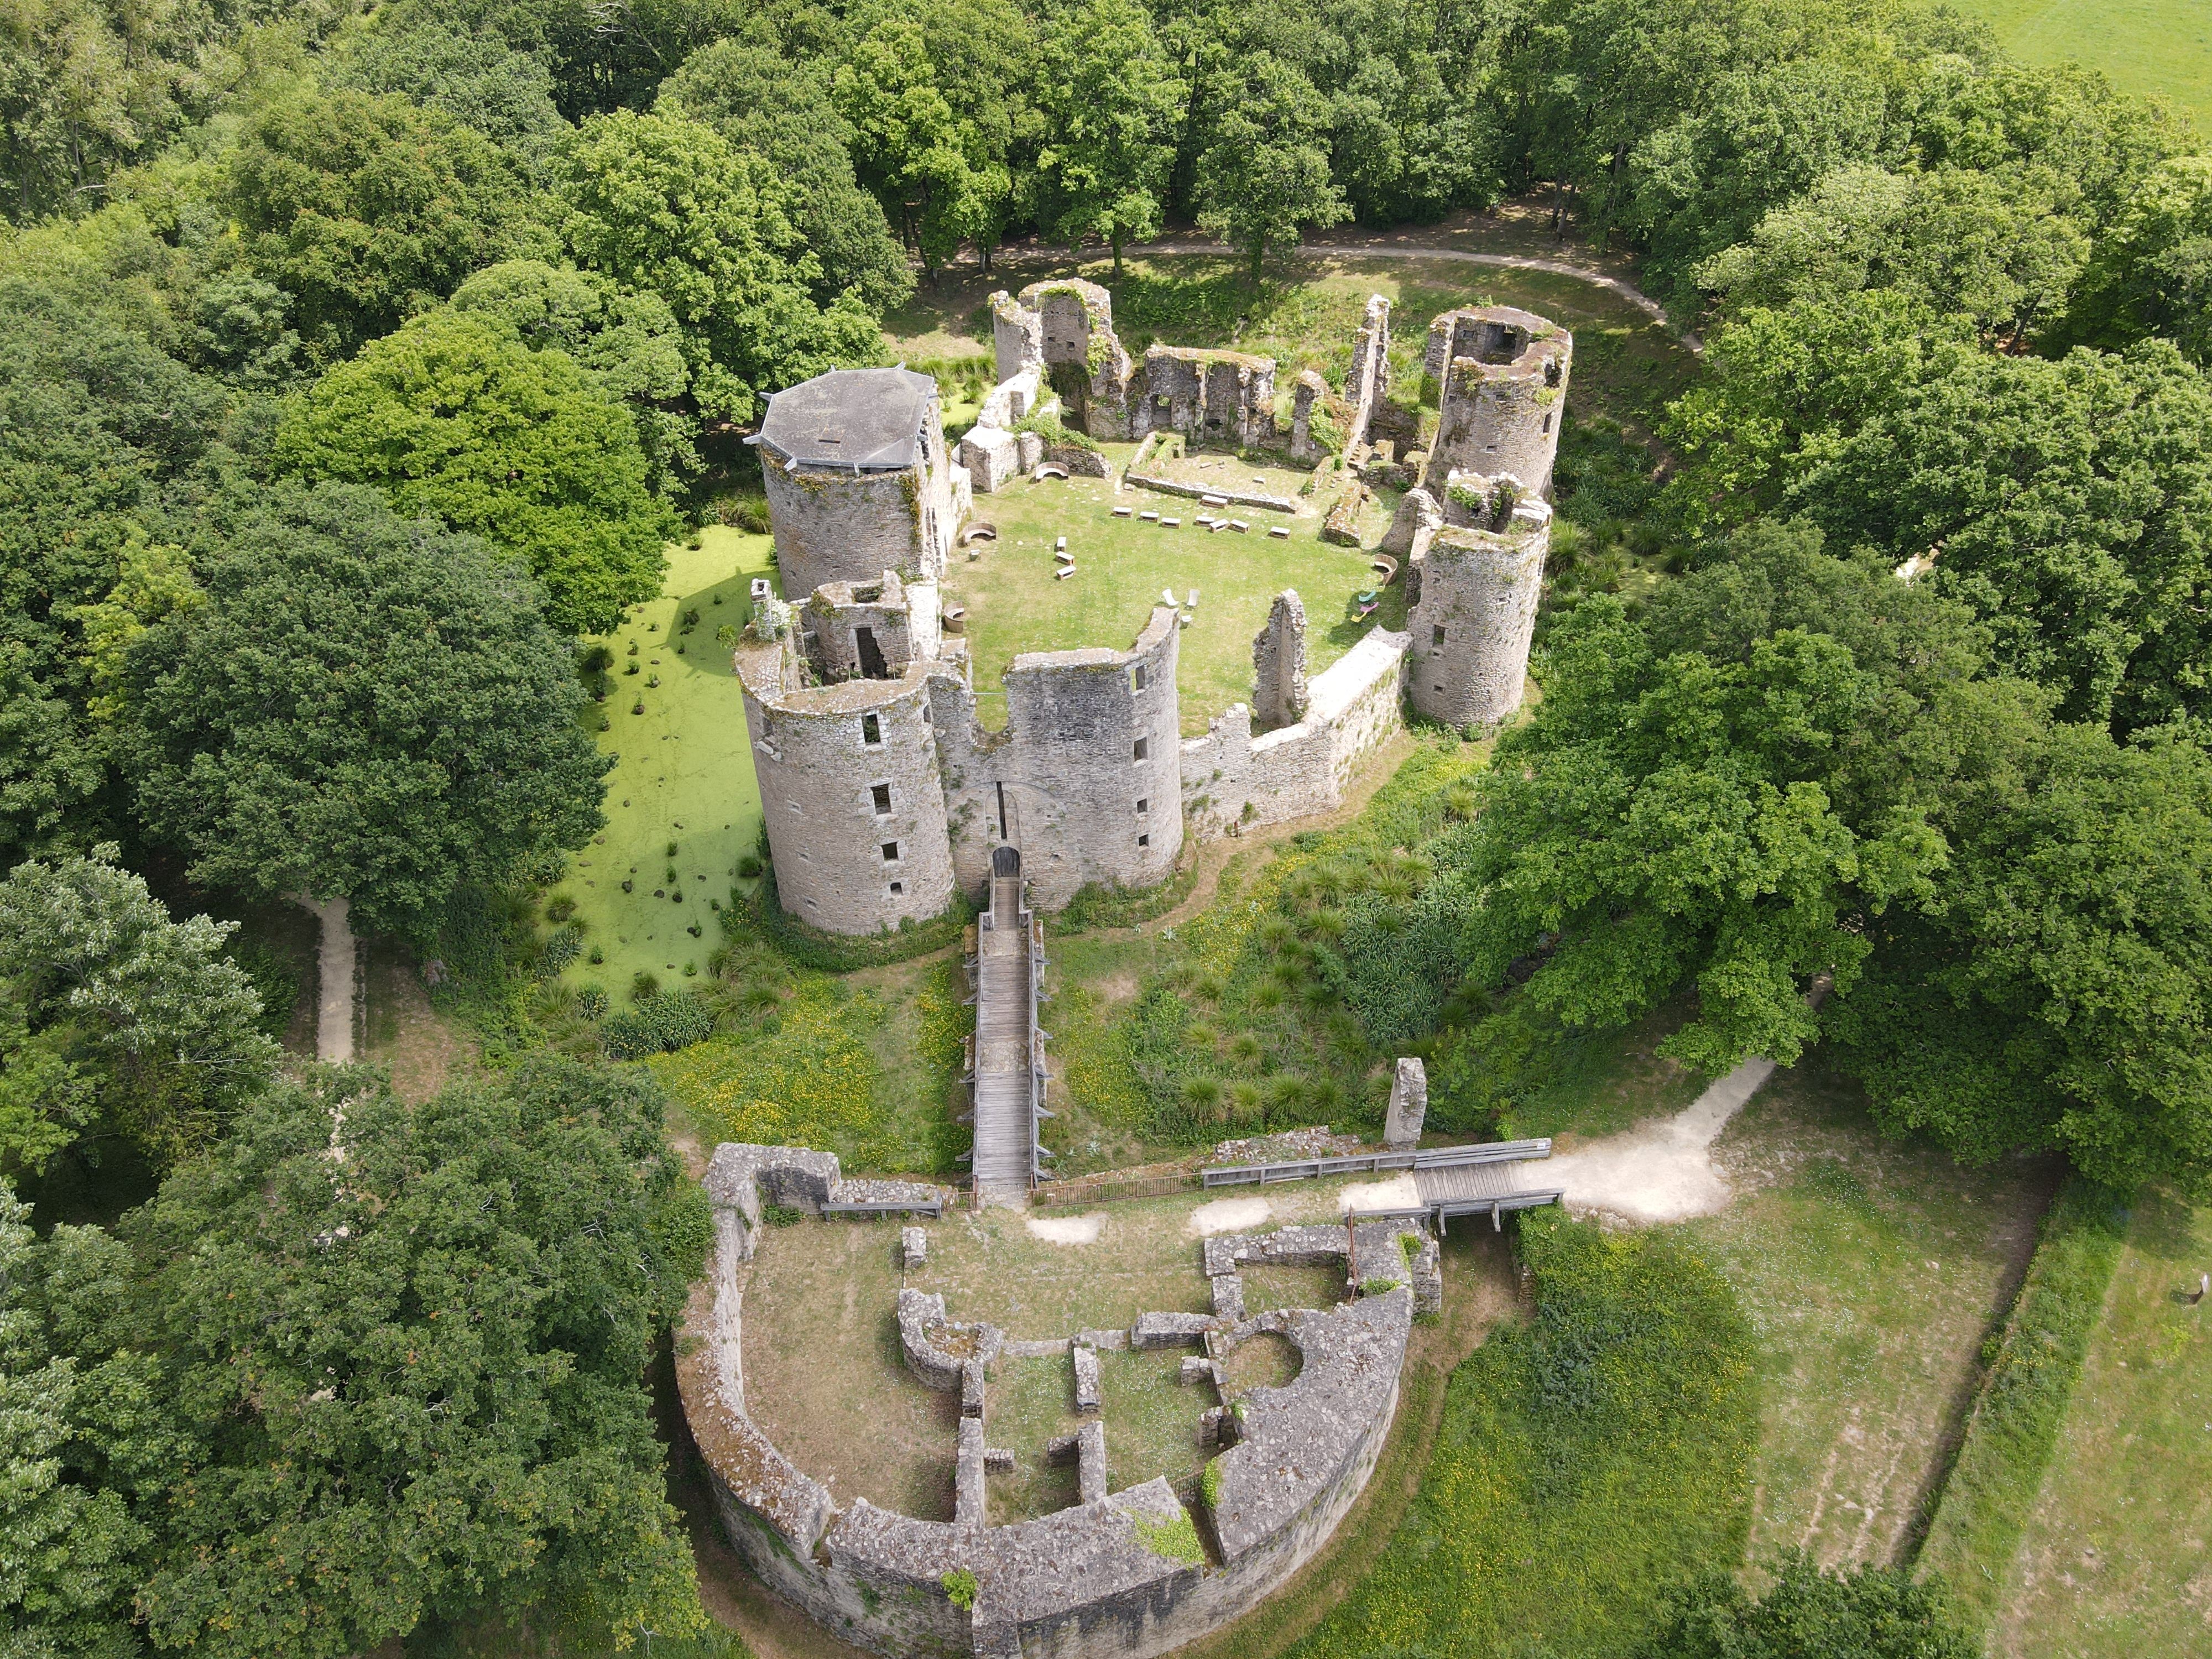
(991, 456)
(1090, 1463)
(914, 1246)
(1196, 1371)
(1409, 1106)
(1031, 449)
(1228, 1296)
(1169, 1330)
(1087, 1397)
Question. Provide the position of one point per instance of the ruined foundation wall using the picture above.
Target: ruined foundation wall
(818, 775)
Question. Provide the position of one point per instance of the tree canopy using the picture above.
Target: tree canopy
(116, 1021)
(366, 705)
(360, 1366)
(453, 416)
(1872, 1613)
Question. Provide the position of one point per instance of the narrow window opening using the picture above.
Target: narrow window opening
(1436, 636)
(1144, 841)
(1139, 678)
(1144, 804)
(1002, 812)
(870, 653)
(898, 887)
(881, 794)
(1548, 422)
(890, 852)
(872, 729)
(1144, 747)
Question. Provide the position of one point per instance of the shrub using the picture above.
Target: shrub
(749, 866)
(559, 951)
(660, 1024)
(1876, 1613)
(592, 1002)
(560, 909)
(961, 1586)
(643, 984)
(782, 1215)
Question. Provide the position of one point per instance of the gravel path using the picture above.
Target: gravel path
(336, 961)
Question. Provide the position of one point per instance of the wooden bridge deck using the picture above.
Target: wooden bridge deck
(1007, 1044)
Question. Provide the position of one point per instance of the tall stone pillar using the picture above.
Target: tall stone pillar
(1409, 1107)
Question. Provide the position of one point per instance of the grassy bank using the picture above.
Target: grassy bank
(2115, 1557)
(2162, 47)
(1587, 1458)
(2034, 1366)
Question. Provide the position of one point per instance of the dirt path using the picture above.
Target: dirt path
(337, 961)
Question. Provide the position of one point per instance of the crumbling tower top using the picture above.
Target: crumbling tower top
(1501, 379)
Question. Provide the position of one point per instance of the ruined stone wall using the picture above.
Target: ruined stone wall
(1223, 397)
(1083, 358)
(850, 791)
(1368, 384)
(1310, 396)
(901, 618)
(1279, 664)
(1235, 780)
(1017, 338)
(1480, 585)
(1503, 388)
(1089, 736)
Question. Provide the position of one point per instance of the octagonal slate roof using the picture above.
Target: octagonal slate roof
(870, 418)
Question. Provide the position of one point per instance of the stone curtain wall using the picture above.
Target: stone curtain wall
(902, 618)
(1233, 779)
(1068, 769)
(818, 775)
(1479, 588)
(1086, 1583)
(1504, 389)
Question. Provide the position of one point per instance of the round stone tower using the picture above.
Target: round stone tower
(1481, 577)
(858, 478)
(850, 791)
(1502, 379)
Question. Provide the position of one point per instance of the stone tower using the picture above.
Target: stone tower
(1502, 390)
(1481, 576)
(858, 478)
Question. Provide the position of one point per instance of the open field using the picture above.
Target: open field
(685, 775)
(2118, 1559)
(1871, 1272)
(2162, 47)
(1016, 604)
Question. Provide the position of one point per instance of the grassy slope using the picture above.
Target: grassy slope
(1871, 1272)
(1990, 1492)
(685, 773)
(2118, 1559)
(2159, 46)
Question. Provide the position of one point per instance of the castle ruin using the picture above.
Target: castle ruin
(885, 795)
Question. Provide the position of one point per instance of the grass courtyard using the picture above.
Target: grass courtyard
(1016, 604)
(821, 1349)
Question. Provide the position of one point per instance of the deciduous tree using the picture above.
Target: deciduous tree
(1263, 177)
(366, 706)
(453, 416)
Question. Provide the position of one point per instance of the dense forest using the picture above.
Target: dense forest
(356, 368)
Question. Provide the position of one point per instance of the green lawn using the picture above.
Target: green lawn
(684, 775)
(2157, 46)
(1016, 604)
(2118, 1559)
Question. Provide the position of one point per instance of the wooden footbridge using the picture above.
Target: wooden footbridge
(1006, 1071)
